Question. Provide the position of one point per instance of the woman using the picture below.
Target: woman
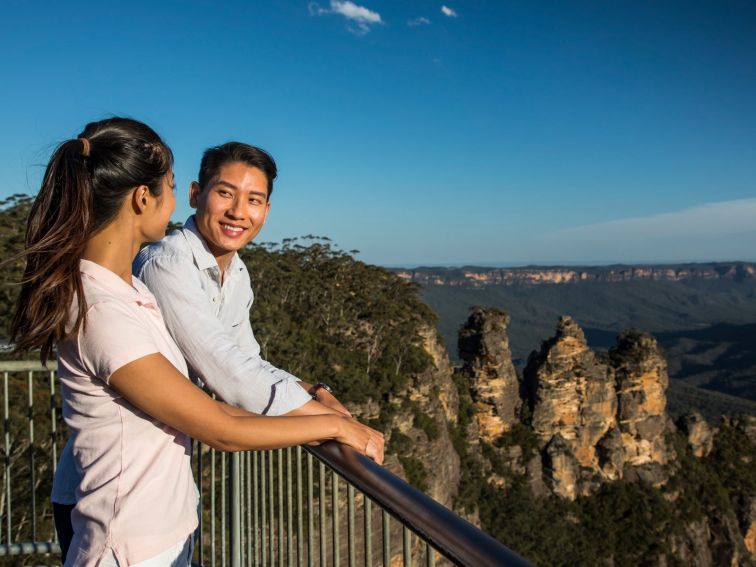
(127, 401)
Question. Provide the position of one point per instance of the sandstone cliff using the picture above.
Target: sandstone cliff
(582, 422)
(598, 418)
(489, 372)
(480, 277)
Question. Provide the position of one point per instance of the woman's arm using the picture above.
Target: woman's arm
(153, 384)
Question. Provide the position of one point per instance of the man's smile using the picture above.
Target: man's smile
(231, 229)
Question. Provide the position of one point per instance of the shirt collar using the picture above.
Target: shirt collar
(202, 255)
(137, 292)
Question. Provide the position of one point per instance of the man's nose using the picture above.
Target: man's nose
(237, 209)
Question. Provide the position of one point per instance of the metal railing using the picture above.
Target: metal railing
(304, 506)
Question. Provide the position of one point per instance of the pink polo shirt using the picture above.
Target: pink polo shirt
(136, 496)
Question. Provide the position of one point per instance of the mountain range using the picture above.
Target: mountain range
(702, 315)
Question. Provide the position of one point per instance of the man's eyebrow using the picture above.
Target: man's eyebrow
(235, 188)
(226, 184)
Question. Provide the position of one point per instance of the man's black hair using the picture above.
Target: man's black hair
(216, 157)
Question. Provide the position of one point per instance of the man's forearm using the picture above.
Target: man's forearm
(313, 407)
(325, 399)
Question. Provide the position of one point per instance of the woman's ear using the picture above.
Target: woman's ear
(140, 198)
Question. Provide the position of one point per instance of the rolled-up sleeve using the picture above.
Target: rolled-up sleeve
(237, 374)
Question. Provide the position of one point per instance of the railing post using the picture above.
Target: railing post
(234, 507)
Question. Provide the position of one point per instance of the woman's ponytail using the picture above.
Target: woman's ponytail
(84, 186)
(56, 233)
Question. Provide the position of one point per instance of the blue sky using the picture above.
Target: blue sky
(421, 132)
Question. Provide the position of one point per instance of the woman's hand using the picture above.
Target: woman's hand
(365, 440)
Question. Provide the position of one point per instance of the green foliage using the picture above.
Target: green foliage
(13, 213)
(624, 523)
(417, 473)
(471, 481)
(424, 422)
(466, 407)
(522, 435)
(325, 316)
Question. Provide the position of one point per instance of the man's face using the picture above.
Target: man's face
(232, 209)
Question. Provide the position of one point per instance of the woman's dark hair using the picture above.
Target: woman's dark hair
(216, 157)
(83, 189)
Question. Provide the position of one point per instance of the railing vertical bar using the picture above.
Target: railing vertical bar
(272, 509)
(234, 508)
(250, 495)
(407, 546)
(335, 514)
(224, 477)
(6, 421)
(386, 539)
(33, 475)
(300, 532)
(281, 554)
(53, 424)
(350, 524)
(289, 510)
(213, 554)
(368, 532)
(322, 507)
(263, 508)
(53, 434)
(242, 507)
(256, 506)
(430, 555)
(201, 542)
(310, 511)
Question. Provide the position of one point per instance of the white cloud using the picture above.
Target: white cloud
(446, 11)
(725, 229)
(360, 18)
(418, 22)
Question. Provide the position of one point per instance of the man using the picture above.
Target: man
(204, 291)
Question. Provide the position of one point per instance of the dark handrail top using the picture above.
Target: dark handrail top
(452, 535)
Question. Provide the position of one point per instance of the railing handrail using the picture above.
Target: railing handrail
(456, 538)
(28, 365)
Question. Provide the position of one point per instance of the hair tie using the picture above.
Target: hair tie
(85, 147)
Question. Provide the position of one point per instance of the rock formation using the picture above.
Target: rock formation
(433, 402)
(493, 383)
(578, 420)
(601, 416)
(699, 434)
(642, 380)
(573, 401)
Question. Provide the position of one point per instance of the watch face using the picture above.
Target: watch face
(326, 387)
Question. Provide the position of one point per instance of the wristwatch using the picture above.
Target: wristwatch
(314, 390)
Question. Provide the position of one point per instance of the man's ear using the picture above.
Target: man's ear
(194, 191)
(140, 198)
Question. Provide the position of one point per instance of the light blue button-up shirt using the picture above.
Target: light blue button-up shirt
(210, 322)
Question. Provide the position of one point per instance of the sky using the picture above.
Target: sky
(418, 132)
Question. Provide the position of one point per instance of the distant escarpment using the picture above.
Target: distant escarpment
(577, 462)
(474, 276)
